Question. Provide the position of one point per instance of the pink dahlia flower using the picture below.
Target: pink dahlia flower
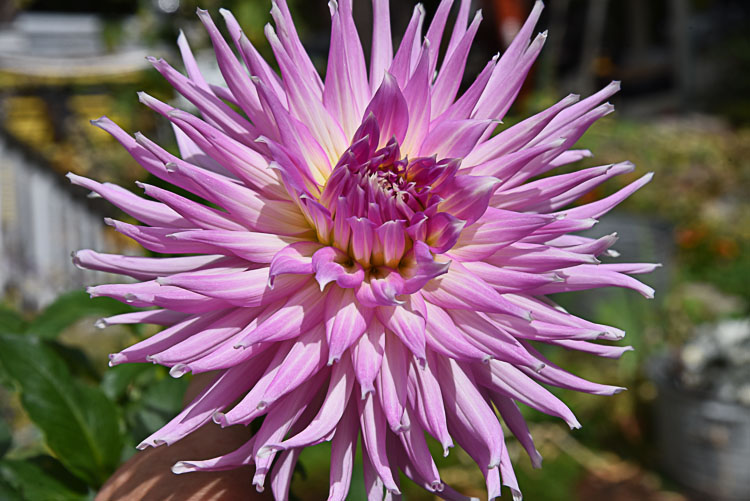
(369, 259)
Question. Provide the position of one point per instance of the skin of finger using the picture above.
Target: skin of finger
(148, 476)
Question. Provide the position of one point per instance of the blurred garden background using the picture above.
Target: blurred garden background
(67, 420)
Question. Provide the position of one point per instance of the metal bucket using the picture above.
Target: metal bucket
(704, 444)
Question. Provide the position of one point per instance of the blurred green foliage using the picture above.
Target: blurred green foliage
(85, 422)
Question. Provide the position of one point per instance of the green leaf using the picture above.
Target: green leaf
(70, 308)
(33, 482)
(11, 321)
(80, 424)
(165, 395)
(8, 493)
(76, 360)
(116, 380)
(6, 437)
(153, 401)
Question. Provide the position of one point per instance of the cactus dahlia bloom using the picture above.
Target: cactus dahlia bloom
(368, 259)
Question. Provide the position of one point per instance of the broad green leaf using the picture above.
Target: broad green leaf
(11, 321)
(78, 363)
(154, 399)
(165, 395)
(115, 381)
(70, 308)
(80, 424)
(34, 483)
(6, 437)
(8, 493)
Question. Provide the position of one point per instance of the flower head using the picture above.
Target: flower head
(369, 258)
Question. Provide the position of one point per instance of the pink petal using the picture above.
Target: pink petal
(389, 108)
(346, 320)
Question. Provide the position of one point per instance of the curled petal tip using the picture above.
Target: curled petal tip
(267, 450)
(179, 370)
(182, 467)
(437, 486)
(116, 359)
(220, 418)
(100, 323)
(76, 260)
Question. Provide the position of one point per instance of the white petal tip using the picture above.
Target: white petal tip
(101, 323)
(93, 195)
(437, 486)
(220, 418)
(267, 450)
(179, 370)
(116, 359)
(182, 467)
